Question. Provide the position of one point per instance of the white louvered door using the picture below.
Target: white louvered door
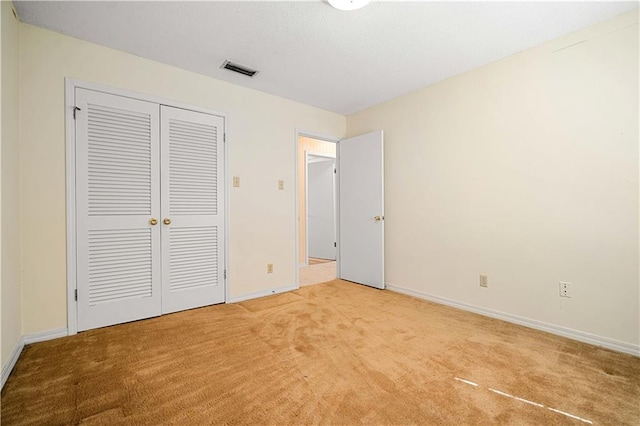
(149, 209)
(117, 193)
(192, 209)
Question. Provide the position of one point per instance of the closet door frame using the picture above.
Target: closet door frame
(71, 85)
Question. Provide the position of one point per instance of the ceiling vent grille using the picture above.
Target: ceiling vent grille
(241, 69)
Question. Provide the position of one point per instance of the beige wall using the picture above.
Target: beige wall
(306, 144)
(11, 316)
(525, 170)
(261, 145)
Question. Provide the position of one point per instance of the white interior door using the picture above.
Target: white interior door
(321, 208)
(361, 209)
(192, 209)
(118, 193)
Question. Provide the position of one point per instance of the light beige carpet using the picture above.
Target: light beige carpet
(315, 261)
(334, 353)
(317, 273)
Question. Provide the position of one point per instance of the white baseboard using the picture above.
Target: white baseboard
(8, 367)
(580, 336)
(269, 292)
(26, 340)
(45, 335)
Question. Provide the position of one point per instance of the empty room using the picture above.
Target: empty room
(320, 212)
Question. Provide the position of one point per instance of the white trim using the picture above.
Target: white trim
(319, 154)
(227, 210)
(296, 210)
(296, 137)
(314, 135)
(263, 293)
(70, 135)
(27, 340)
(13, 359)
(70, 181)
(337, 206)
(45, 335)
(306, 209)
(580, 336)
(75, 83)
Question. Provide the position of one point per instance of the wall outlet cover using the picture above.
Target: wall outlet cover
(484, 281)
(565, 289)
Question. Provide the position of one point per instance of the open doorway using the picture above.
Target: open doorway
(316, 210)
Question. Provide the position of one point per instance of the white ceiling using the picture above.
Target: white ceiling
(309, 52)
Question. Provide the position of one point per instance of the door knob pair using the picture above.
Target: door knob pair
(154, 221)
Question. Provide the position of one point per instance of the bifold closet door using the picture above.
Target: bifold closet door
(117, 209)
(192, 209)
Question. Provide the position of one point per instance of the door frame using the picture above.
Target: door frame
(296, 222)
(70, 185)
(308, 154)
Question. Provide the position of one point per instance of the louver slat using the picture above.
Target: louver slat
(109, 280)
(193, 186)
(119, 162)
(193, 257)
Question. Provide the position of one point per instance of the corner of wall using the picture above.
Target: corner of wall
(7, 367)
(10, 281)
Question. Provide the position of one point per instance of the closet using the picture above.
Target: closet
(149, 215)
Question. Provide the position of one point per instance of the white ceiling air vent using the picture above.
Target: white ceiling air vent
(241, 69)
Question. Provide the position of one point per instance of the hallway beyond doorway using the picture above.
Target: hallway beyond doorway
(318, 271)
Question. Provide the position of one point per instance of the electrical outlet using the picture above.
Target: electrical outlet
(484, 281)
(269, 268)
(565, 289)
(281, 185)
(236, 181)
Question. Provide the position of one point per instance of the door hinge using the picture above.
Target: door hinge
(76, 294)
(225, 274)
(224, 138)
(334, 170)
(75, 109)
(335, 244)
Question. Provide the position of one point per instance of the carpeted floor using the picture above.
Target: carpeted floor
(316, 261)
(317, 273)
(334, 353)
